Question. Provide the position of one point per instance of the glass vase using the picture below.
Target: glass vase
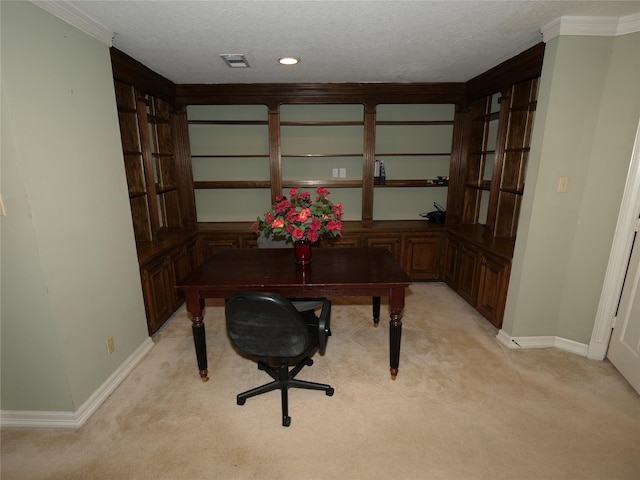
(302, 252)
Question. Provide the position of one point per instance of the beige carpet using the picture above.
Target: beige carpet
(462, 407)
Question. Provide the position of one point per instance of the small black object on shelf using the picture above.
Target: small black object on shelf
(438, 216)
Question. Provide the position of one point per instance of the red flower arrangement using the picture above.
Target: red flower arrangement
(298, 218)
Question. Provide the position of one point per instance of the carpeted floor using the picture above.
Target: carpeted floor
(463, 407)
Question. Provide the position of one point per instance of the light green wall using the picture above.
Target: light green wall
(588, 111)
(69, 267)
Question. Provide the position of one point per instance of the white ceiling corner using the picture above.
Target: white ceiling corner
(70, 14)
(591, 26)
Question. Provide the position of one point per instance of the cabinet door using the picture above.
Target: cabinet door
(183, 261)
(492, 291)
(392, 244)
(158, 294)
(423, 254)
(467, 280)
(214, 243)
(341, 241)
(450, 266)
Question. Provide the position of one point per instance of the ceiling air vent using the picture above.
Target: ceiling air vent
(235, 60)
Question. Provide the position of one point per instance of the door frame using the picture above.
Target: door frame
(618, 258)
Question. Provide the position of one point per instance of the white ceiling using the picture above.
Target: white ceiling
(337, 41)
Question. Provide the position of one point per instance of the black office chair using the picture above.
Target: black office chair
(269, 329)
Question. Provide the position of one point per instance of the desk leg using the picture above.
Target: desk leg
(376, 311)
(396, 305)
(195, 306)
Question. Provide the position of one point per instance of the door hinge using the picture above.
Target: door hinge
(613, 322)
(636, 227)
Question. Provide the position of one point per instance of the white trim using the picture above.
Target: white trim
(74, 17)
(591, 26)
(629, 24)
(542, 342)
(618, 258)
(37, 419)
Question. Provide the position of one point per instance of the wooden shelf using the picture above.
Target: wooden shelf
(414, 154)
(332, 182)
(320, 155)
(235, 155)
(485, 185)
(414, 122)
(228, 122)
(411, 183)
(513, 190)
(312, 123)
(222, 184)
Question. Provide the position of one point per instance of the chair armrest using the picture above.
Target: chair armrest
(324, 326)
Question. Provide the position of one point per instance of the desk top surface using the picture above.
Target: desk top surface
(330, 267)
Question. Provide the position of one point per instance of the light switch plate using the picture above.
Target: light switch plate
(563, 184)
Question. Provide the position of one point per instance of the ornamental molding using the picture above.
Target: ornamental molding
(591, 26)
(66, 12)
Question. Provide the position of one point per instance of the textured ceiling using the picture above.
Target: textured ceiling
(337, 41)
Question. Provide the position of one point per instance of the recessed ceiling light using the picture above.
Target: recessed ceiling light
(288, 60)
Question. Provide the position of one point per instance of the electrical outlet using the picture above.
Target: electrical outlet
(343, 173)
(335, 173)
(563, 184)
(110, 345)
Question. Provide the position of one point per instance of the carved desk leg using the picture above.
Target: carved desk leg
(396, 305)
(195, 306)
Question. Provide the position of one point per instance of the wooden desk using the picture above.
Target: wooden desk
(334, 272)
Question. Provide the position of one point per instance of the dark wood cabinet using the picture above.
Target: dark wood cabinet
(157, 168)
(477, 266)
(393, 244)
(423, 255)
(157, 287)
(492, 288)
(160, 268)
(461, 269)
(415, 245)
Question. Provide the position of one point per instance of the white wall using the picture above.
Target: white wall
(69, 267)
(588, 110)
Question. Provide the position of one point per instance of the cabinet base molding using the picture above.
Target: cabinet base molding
(38, 419)
(542, 342)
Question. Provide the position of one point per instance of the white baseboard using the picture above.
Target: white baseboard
(542, 342)
(37, 419)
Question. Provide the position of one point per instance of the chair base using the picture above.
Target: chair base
(283, 379)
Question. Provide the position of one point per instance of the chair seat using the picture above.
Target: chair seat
(302, 305)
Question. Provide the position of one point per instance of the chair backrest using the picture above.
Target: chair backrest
(273, 242)
(266, 325)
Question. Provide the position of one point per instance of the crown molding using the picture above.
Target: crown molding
(591, 26)
(66, 12)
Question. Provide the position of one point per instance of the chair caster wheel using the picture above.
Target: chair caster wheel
(330, 392)
(286, 421)
(241, 401)
(309, 362)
